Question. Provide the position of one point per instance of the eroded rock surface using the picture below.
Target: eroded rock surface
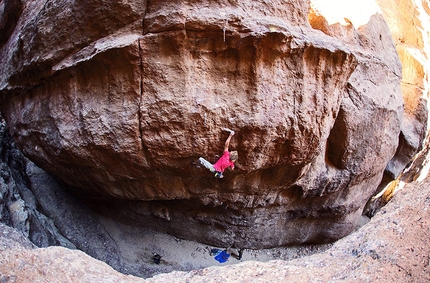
(118, 99)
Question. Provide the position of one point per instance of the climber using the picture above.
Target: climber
(226, 161)
(240, 251)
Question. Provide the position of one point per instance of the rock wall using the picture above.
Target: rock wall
(118, 99)
(409, 24)
(18, 206)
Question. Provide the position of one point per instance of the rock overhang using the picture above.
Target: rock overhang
(128, 115)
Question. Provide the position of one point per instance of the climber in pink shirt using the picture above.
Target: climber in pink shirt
(227, 160)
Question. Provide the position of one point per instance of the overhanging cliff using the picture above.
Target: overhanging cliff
(118, 99)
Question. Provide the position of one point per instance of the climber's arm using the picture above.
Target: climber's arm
(227, 142)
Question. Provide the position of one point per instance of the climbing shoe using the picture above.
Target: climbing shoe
(219, 175)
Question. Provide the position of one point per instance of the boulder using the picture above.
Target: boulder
(119, 99)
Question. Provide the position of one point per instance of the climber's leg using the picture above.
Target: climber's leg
(207, 164)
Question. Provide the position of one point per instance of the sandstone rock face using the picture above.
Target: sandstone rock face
(118, 99)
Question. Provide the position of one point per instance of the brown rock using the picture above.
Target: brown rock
(122, 110)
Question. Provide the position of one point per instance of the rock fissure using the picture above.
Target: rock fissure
(139, 116)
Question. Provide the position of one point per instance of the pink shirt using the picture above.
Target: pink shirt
(224, 162)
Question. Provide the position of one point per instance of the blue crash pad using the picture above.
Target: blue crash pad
(222, 257)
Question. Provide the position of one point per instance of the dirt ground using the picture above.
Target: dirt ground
(137, 246)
